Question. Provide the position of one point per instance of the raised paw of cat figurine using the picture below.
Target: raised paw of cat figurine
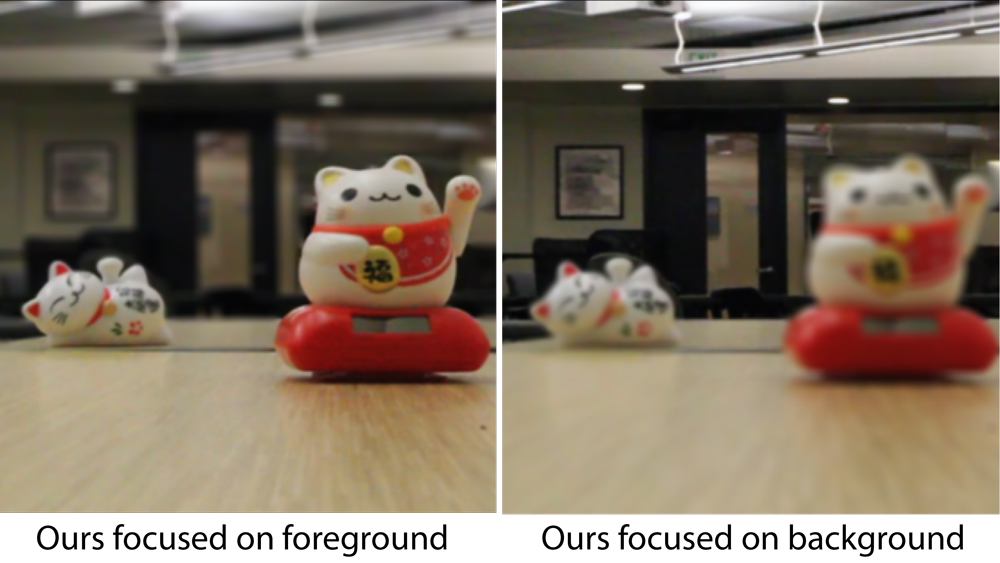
(381, 241)
(890, 240)
(617, 307)
(115, 309)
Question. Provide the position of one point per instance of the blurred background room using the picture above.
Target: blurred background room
(186, 136)
(718, 179)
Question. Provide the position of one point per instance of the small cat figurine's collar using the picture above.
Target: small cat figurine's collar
(101, 309)
(612, 309)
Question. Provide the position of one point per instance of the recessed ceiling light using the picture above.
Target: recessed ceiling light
(124, 86)
(839, 101)
(633, 87)
(331, 100)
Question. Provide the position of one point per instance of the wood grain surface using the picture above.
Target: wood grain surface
(646, 432)
(125, 431)
(217, 335)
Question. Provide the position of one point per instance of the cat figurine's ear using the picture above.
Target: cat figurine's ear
(57, 269)
(838, 177)
(329, 176)
(567, 270)
(644, 275)
(912, 165)
(32, 310)
(407, 166)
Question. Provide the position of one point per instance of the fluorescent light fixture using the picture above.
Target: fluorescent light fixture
(481, 23)
(529, 6)
(124, 86)
(633, 87)
(13, 7)
(839, 101)
(331, 100)
(898, 43)
(97, 8)
(988, 31)
(850, 46)
(747, 62)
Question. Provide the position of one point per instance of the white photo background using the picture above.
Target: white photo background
(80, 181)
(589, 183)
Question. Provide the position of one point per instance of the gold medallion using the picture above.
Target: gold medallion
(888, 271)
(379, 271)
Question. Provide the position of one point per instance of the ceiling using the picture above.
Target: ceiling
(206, 23)
(722, 24)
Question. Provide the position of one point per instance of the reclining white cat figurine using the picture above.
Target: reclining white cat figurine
(116, 309)
(624, 308)
(890, 241)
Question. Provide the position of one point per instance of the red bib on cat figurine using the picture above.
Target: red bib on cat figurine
(323, 339)
(421, 251)
(929, 252)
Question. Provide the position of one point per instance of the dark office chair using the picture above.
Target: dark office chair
(984, 271)
(740, 303)
(521, 285)
(40, 253)
(550, 252)
(475, 287)
(620, 241)
(233, 302)
(520, 330)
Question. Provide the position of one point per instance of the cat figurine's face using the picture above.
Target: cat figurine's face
(575, 303)
(906, 192)
(68, 302)
(395, 193)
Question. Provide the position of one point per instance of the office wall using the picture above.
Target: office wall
(25, 131)
(531, 135)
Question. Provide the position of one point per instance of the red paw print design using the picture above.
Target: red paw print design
(644, 329)
(135, 328)
(976, 194)
(467, 192)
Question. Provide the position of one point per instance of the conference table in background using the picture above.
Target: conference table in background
(217, 423)
(727, 424)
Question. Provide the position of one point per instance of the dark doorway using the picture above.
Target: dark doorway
(170, 219)
(677, 204)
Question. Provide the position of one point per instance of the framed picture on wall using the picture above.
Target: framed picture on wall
(590, 182)
(80, 183)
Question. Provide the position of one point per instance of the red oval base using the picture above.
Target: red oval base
(322, 339)
(833, 340)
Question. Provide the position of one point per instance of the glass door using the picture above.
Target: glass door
(224, 220)
(732, 183)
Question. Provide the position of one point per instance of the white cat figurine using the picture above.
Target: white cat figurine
(624, 307)
(116, 309)
(381, 241)
(890, 242)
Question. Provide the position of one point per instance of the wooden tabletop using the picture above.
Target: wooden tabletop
(221, 335)
(170, 431)
(730, 432)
